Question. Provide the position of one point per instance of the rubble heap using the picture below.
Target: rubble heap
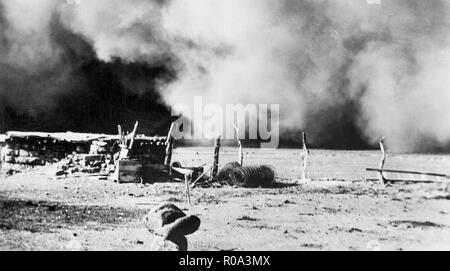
(23, 150)
(75, 152)
(85, 163)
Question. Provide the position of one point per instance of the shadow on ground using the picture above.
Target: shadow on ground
(43, 216)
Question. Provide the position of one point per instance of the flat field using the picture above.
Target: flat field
(341, 207)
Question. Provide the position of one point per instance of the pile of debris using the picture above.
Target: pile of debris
(75, 152)
(24, 150)
(104, 146)
(137, 154)
(85, 163)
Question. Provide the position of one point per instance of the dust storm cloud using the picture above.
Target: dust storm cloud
(341, 70)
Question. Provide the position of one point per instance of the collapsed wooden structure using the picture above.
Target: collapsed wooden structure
(31, 149)
(126, 157)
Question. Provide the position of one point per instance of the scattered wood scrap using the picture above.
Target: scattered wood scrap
(200, 178)
(381, 170)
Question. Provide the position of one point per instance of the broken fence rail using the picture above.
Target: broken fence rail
(409, 172)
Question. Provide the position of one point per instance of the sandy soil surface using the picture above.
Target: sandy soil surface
(338, 209)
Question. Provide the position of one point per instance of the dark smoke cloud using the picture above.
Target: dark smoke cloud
(52, 79)
(348, 72)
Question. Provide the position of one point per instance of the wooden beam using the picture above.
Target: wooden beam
(126, 139)
(183, 171)
(119, 129)
(133, 135)
(200, 177)
(169, 148)
(169, 135)
(124, 148)
(380, 170)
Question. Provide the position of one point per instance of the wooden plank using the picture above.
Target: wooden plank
(200, 177)
(119, 129)
(183, 171)
(169, 148)
(169, 151)
(133, 135)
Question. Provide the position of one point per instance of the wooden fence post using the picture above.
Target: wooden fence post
(215, 167)
(119, 129)
(241, 154)
(382, 162)
(304, 157)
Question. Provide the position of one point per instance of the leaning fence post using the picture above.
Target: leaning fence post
(382, 162)
(133, 135)
(215, 167)
(119, 129)
(304, 157)
(169, 148)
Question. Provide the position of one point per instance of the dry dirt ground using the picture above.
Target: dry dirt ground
(339, 209)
